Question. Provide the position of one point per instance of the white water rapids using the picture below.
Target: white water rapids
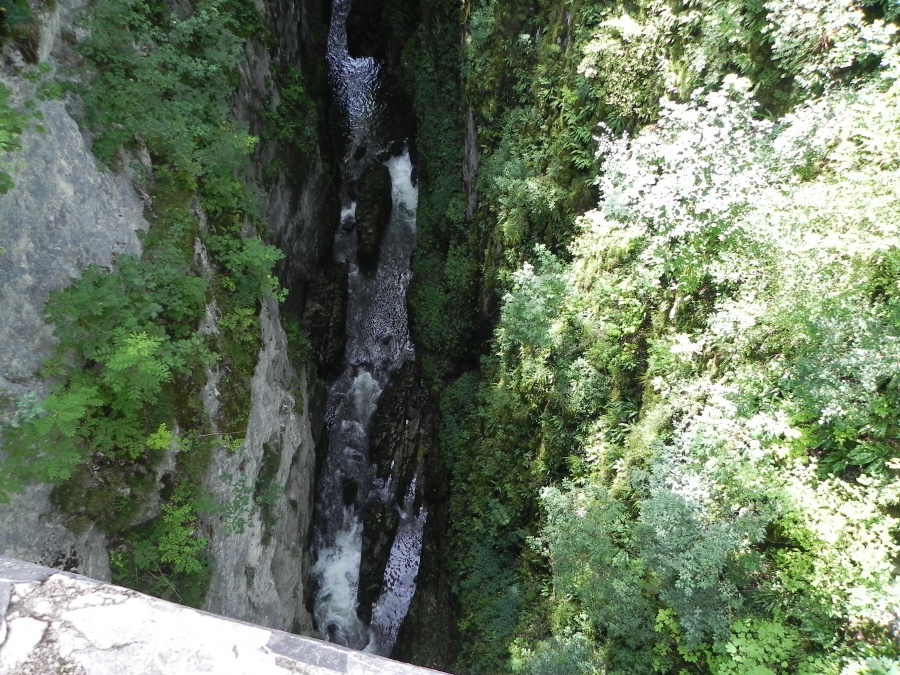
(378, 344)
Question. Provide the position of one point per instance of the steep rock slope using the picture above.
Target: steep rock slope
(67, 212)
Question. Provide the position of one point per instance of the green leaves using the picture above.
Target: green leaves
(178, 546)
(12, 124)
(294, 121)
(717, 364)
(166, 556)
(248, 263)
(128, 333)
(49, 445)
(166, 87)
(756, 645)
(530, 309)
(135, 368)
(130, 354)
(589, 541)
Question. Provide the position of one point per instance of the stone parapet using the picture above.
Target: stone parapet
(58, 622)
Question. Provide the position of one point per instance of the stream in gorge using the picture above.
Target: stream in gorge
(378, 344)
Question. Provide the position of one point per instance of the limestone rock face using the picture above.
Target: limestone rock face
(258, 546)
(54, 622)
(258, 552)
(30, 529)
(66, 212)
(299, 206)
(324, 315)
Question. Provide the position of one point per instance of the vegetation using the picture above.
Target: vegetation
(665, 345)
(445, 263)
(12, 123)
(19, 26)
(293, 121)
(682, 454)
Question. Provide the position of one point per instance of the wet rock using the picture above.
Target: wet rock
(395, 428)
(350, 491)
(429, 636)
(379, 528)
(393, 452)
(397, 148)
(373, 209)
(326, 304)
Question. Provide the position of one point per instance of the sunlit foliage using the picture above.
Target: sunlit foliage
(687, 441)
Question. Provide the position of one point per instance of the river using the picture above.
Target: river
(378, 344)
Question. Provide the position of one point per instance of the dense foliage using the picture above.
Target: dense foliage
(445, 260)
(682, 455)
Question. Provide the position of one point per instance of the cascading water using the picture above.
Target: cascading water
(378, 344)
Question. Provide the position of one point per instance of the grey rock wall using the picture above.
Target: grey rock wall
(299, 206)
(53, 622)
(66, 212)
(258, 548)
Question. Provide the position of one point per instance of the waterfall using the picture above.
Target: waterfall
(378, 344)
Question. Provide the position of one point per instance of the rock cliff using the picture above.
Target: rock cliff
(67, 212)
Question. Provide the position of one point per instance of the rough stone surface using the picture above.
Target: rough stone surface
(394, 454)
(429, 635)
(258, 551)
(324, 317)
(31, 530)
(301, 220)
(54, 622)
(470, 166)
(299, 207)
(66, 212)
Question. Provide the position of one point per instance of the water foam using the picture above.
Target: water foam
(337, 572)
(403, 192)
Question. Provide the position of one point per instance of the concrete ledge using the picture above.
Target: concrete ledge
(62, 623)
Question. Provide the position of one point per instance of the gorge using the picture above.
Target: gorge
(378, 344)
(552, 337)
